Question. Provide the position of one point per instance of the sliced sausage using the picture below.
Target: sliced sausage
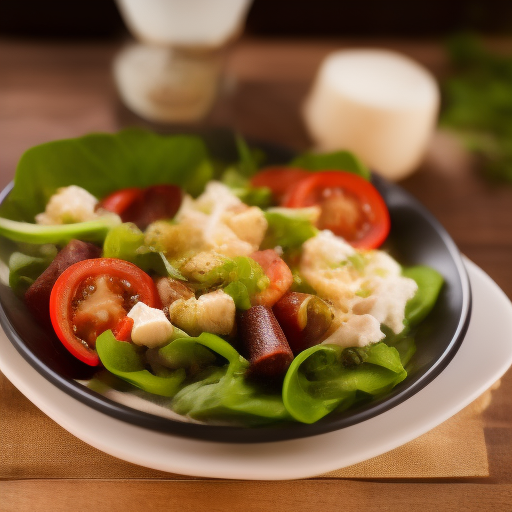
(304, 319)
(264, 343)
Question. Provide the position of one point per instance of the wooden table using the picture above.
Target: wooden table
(51, 90)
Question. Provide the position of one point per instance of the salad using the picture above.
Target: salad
(236, 292)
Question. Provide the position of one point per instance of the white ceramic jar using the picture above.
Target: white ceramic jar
(379, 104)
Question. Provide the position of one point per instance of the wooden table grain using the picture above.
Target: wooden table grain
(51, 90)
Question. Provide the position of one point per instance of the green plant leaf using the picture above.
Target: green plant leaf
(336, 161)
(323, 378)
(102, 163)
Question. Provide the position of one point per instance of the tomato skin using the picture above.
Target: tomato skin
(123, 330)
(120, 200)
(278, 272)
(372, 208)
(66, 286)
(144, 206)
(278, 180)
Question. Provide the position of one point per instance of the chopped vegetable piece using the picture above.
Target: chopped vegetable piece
(123, 330)
(289, 228)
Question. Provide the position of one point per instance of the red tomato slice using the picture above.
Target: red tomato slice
(93, 296)
(144, 206)
(351, 206)
(123, 330)
(120, 200)
(277, 271)
(279, 180)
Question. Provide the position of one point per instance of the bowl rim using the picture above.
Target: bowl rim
(271, 433)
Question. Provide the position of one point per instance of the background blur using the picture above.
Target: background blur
(375, 18)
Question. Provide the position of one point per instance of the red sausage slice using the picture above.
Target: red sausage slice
(264, 343)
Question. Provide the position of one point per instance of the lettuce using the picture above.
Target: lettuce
(240, 277)
(89, 231)
(102, 163)
(127, 362)
(429, 283)
(126, 242)
(205, 376)
(336, 161)
(328, 377)
(289, 227)
(24, 269)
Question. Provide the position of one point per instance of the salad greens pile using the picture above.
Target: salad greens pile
(203, 377)
(478, 103)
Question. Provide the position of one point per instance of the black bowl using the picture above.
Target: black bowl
(416, 238)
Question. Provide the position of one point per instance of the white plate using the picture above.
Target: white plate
(466, 377)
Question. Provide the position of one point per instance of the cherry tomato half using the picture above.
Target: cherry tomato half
(351, 206)
(144, 206)
(93, 296)
(278, 180)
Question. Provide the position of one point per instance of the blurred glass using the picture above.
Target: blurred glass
(173, 72)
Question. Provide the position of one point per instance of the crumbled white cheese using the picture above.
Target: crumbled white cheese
(387, 301)
(216, 197)
(68, 205)
(249, 225)
(151, 327)
(228, 226)
(368, 283)
(324, 266)
(201, 263)
(213, 312)
(355, 331)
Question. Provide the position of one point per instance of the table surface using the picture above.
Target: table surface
(51, 90)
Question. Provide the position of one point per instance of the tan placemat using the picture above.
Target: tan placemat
(34, 446)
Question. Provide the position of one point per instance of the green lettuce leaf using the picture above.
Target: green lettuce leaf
(206, 376)
(289, 227)
(328, 377)
(127, 362)
(240, 269)
(126, 242)
(89, 231)
(24, 269)
(429, 283)
(241, 187)
(336, 161)
(102, 163)
(223, 393)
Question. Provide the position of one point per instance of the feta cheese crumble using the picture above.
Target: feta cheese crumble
(212, 312)
(150, 326)
(69, 205)
(365, 288)
(225, 224)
